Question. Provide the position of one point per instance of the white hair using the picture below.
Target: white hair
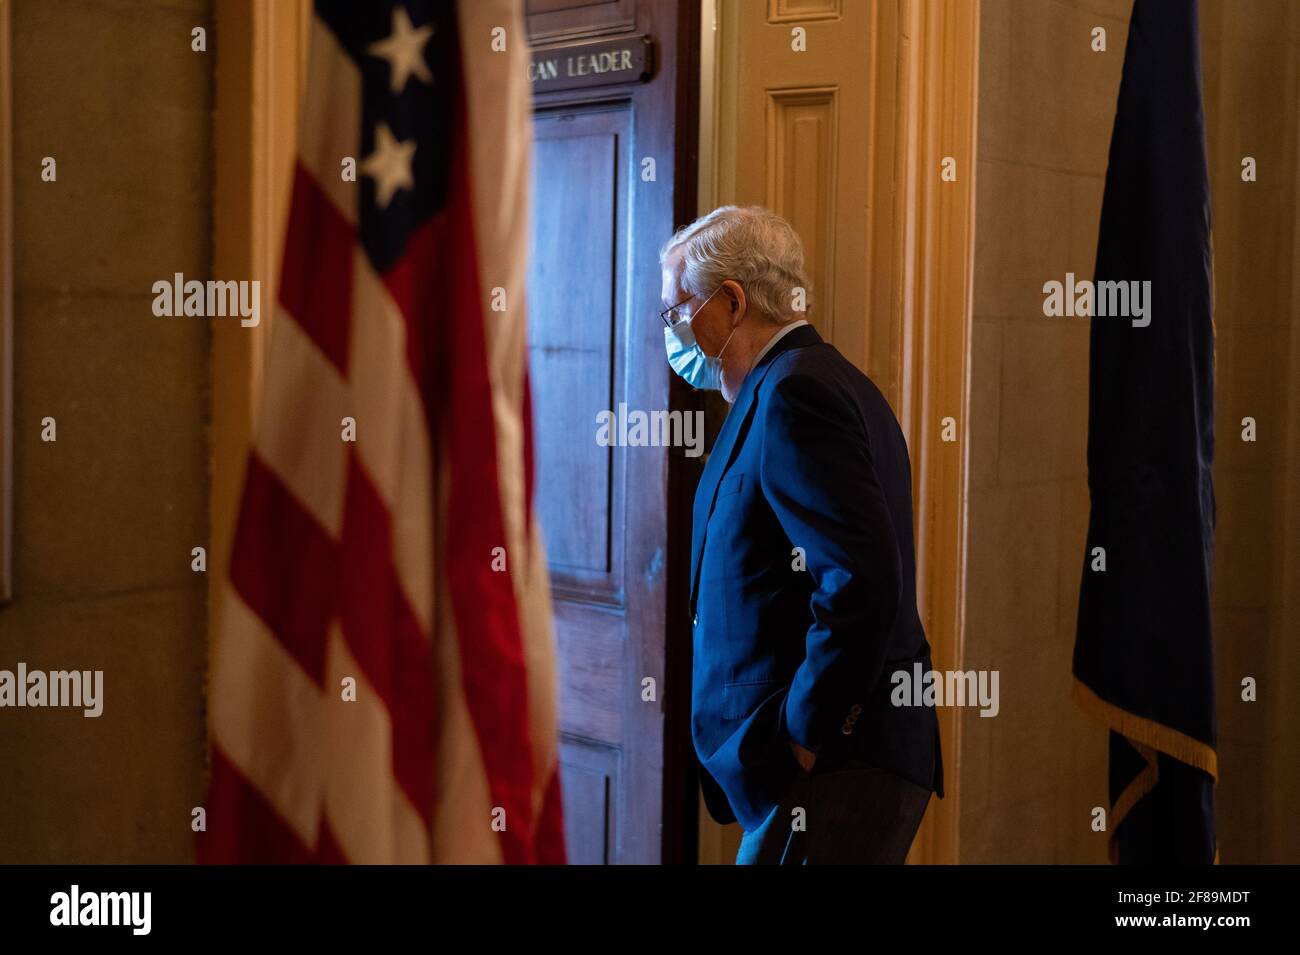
(750, 245)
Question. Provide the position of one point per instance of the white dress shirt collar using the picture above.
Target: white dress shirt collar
(771, 342)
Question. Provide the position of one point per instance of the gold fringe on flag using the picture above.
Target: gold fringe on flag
(1139, 729)
(1149, 738)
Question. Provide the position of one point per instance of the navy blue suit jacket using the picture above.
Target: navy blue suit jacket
(803, 586)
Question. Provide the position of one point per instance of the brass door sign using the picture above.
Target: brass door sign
(602, 63)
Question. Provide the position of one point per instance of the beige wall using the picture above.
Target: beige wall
(1032, 775)
(106, 516)
(1251, 56)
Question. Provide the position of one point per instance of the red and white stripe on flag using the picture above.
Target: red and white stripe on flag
(382, 688)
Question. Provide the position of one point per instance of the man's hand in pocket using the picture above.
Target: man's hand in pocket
(806, 757)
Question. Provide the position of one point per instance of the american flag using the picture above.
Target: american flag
(382, 682)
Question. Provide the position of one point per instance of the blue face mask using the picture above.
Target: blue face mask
(687, 358)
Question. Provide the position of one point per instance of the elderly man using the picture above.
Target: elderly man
(803, 589)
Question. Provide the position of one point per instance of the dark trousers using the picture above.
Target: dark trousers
(851, 815)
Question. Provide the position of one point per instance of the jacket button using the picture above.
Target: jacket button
(846, 729)
(695, 621)
(855, 709)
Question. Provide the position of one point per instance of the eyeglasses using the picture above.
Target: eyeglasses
(671, 317)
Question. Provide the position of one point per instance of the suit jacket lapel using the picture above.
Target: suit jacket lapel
(730, 438)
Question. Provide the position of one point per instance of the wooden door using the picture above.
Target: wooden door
(614, 174)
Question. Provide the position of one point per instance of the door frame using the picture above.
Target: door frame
(261, 72)
(6, 311)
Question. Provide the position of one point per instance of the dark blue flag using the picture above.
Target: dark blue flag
(1143, 656)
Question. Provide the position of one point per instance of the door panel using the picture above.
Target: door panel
(794, 137)
(570, 19)
(580, 212)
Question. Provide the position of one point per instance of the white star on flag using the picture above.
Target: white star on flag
(389, 165)
(404, 51)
